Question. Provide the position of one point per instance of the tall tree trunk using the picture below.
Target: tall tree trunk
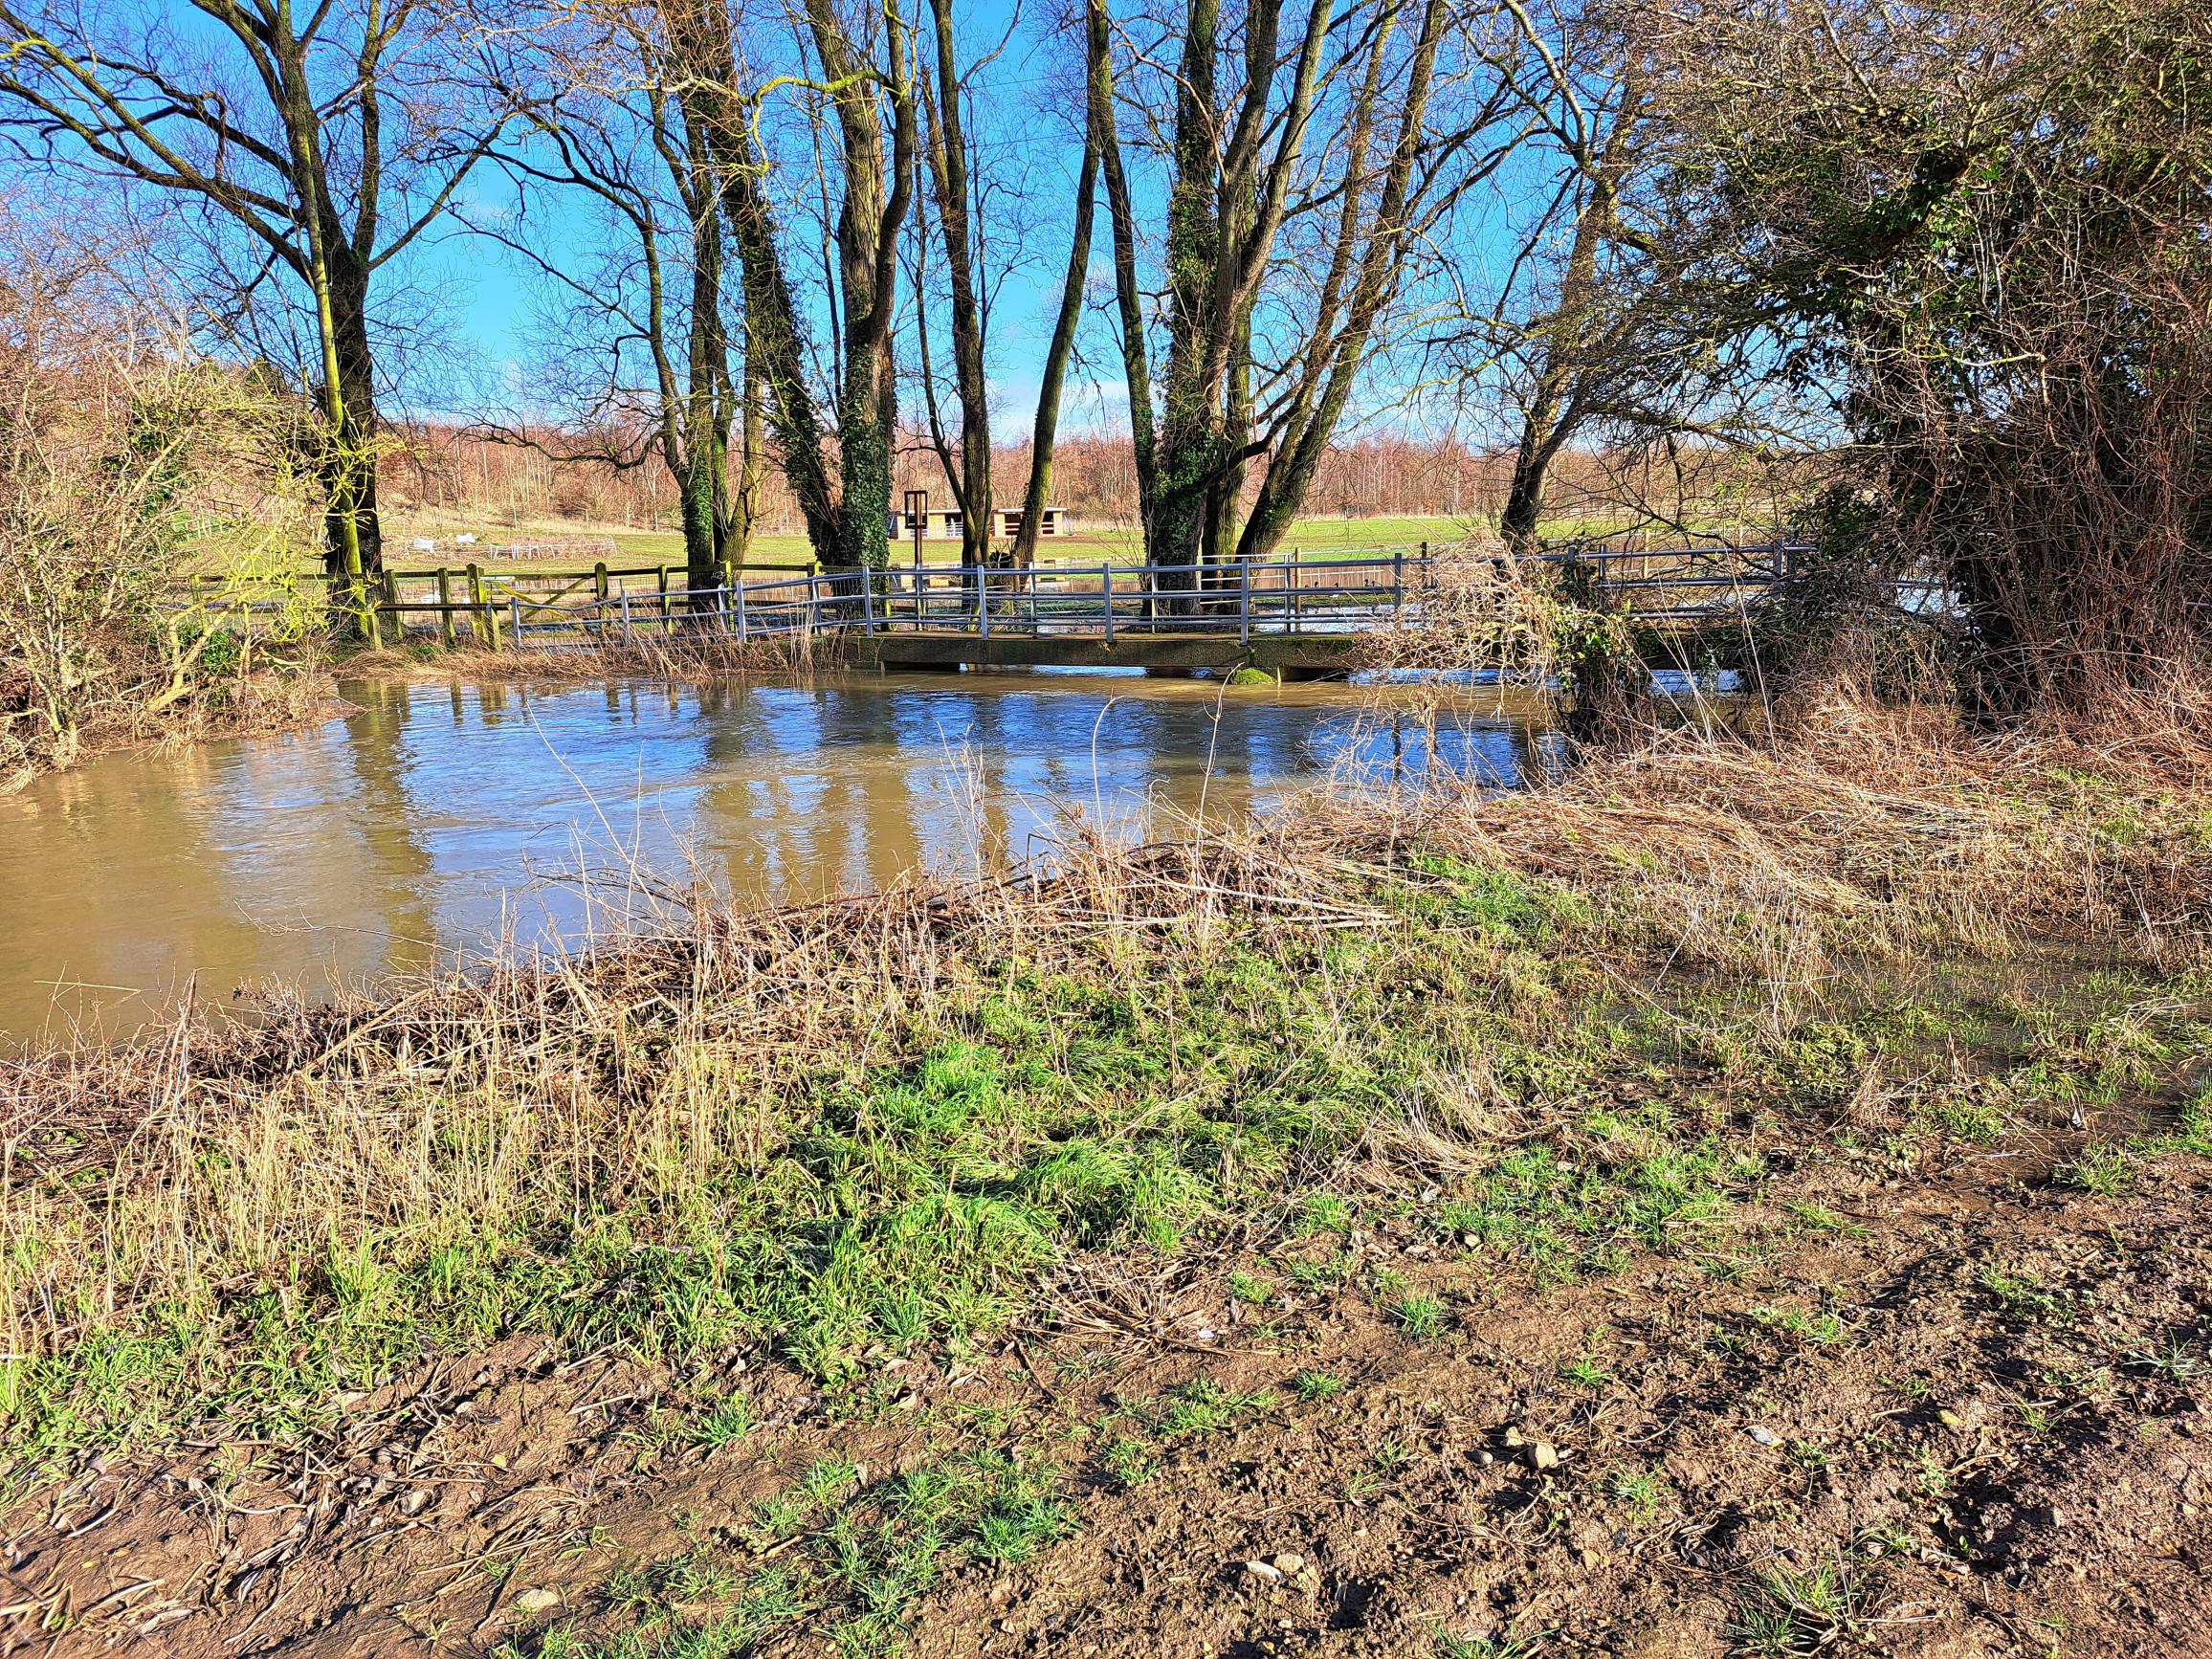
(1187, 448)
(949, 167)
(869, 219)
(775, 351)
(1361, 278)
(1557, 408)
(353, 467)
(1099, 108)
(752, 465)
(1524, 497)
(1225, 208)
(705, 474)
(1128, 298)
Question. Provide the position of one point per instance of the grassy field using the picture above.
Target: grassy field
(1311, 536)
(1711, 1204)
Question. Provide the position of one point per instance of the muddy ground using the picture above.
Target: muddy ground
(1955, 1410)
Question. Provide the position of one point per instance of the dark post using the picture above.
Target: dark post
(918, 520)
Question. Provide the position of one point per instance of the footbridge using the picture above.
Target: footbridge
(1297, 618)
(1294, 617)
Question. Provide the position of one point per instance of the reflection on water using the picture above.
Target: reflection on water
(440, 818)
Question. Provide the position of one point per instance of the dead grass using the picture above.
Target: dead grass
(685, 658)
(886, 1119)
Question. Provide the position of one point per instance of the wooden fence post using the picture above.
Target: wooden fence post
(480, 631)
(446, 606)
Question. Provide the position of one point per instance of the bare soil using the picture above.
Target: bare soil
(1997, 1444)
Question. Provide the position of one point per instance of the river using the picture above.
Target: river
(429, 819)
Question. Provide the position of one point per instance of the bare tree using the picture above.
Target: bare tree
(865, 84)
(1298, 193)
(1097, 121)
(951, 158)
(328, 144)
(626, 122)
(1572, 351)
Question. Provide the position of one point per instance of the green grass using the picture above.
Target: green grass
(1783, 1613)
(856, 1558)
(903, 1180)
(1317, 536)
(1423, 1318)
(1820, 1330)
(1642, 1491)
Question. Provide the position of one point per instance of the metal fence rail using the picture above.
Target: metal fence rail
(1244, 598)
(1298, 597)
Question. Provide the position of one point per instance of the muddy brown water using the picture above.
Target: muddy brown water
(432, 820)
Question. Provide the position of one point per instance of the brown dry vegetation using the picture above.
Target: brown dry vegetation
(120, 446)
(1441, 1192)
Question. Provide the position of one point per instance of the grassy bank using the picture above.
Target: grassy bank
(1316, 537)
(891, 1262)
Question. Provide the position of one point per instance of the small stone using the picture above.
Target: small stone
(1203, 1334)
(499, 1460)
(1485, 1457)
(1951, 1420)
(1513, 1437)
(536, 1601)
(1262, 1573)
(1543, 1454)
(1290, 1564)
(415, 1501)
(1765, 1436)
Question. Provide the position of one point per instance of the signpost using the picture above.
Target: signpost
(918, 520)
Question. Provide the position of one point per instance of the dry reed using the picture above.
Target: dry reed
(214, 1160)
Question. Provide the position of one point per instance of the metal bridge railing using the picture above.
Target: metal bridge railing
(1247, 598)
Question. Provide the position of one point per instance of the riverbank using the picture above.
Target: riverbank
(256, 703)
(1731, 1197)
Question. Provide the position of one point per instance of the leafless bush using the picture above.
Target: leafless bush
(1486, 606)
(1989, 227)
(125, 456)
